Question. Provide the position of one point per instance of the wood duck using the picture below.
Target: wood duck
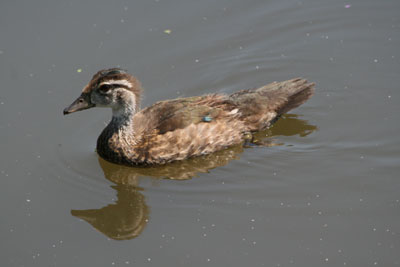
(185, 127)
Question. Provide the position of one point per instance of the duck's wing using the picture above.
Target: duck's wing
(171, 115)
(182, 128)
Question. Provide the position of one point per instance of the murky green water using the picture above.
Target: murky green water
(328, 195)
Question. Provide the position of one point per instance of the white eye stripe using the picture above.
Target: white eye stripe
(117, 82)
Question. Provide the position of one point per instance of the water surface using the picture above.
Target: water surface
(327, 195)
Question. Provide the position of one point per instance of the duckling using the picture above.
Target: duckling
(181, 128)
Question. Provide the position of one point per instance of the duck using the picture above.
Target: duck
(178, 129)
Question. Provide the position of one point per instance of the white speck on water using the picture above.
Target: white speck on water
(375, 60)
(28, 200)
(125, 8)
(331, 58)
(112, 263)
(257, 67)
(361, 157)
(326, 259)
(339, 250)
(307, 34)
(319, 212)
(254, 243)
(148, 259)
(361, 200)
(172, 237)
(127, 262)
(325, 225)
(212, 225)
(389, 96)
(204, 235)
(31, 75)
(374, 229)
(196, 60)
(208, 260)
(122, 20)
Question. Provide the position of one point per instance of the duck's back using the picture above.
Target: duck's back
(181, 128)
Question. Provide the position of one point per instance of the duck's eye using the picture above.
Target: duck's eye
(105, 88)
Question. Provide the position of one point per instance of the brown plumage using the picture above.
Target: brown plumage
(185, 127)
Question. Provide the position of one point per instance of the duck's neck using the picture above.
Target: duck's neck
(117, 141)
(122, 119)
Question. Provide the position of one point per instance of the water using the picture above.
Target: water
(328, 195)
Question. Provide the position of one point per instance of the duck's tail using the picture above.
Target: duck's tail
(261, 107)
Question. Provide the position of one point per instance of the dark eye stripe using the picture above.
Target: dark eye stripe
(107, 87)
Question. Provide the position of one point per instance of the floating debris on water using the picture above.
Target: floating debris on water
(79, 70)
(347, 6)
(167, 31)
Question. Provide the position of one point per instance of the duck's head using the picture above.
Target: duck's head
(113, 88)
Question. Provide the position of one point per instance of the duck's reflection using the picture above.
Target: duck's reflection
(127, 218)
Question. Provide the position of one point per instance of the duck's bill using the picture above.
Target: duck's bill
(81, 103)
